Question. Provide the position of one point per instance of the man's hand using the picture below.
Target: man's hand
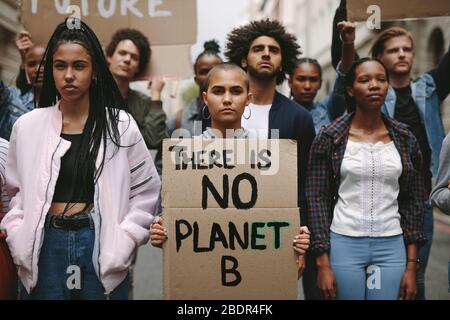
(156, 86)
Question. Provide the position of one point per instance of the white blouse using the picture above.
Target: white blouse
(367, 204)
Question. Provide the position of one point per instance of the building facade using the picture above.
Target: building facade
(9, 28)
(311, 22)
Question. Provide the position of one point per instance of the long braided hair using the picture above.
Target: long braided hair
(105, 101)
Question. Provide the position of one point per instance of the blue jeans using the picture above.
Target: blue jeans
(367, 268)
(424, 251)
(66, 271)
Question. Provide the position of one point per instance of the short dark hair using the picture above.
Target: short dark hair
(227, 66)
(378, 44)
(351, 77)
(139, 40)
(314, 62)
(240, 40)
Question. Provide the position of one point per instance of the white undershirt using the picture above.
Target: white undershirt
(367, 205)
(258, 123)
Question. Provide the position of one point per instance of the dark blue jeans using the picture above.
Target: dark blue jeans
(66, 270)
(424, 251)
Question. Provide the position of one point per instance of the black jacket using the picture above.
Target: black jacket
(294, 122)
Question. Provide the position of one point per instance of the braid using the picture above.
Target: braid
(314, 62)
(105, 100)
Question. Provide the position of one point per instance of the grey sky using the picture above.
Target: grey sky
(215, 19)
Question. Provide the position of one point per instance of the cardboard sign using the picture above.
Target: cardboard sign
(170, 25)
(230, 254)
(230, 208)
(398, 9)
(187, 173)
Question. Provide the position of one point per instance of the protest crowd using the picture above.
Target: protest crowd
(86, 177)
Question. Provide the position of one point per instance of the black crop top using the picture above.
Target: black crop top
(63, 189)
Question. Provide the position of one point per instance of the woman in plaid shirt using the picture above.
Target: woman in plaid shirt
(365, 196)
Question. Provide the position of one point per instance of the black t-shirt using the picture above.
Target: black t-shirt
(66, 179)
(406, 111)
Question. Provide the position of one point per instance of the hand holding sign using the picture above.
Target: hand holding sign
(170, 25)
(231, 209)
(301, 241)
(158, 234)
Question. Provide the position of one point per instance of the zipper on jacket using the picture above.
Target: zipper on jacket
(137, 167)
(107, 294)
(99, 230)
(42, 210)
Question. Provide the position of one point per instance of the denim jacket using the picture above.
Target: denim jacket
(12, 105)
(189, 121)
(426, 98)
(331, 107)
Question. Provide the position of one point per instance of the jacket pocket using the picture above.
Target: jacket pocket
(20, 248)
(120, 258)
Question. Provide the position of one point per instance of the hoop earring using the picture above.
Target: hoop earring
(250, 115)
(203, 113)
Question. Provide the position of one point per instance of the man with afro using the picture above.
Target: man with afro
(268, 54)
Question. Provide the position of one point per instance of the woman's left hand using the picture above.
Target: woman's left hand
(408, 286)
(301, 241)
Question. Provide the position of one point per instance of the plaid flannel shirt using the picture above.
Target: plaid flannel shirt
(323, 180)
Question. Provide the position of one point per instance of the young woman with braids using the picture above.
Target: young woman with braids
(191, 117)
(82, 181)
(305, 82)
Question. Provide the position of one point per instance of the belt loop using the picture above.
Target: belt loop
(48, 220)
